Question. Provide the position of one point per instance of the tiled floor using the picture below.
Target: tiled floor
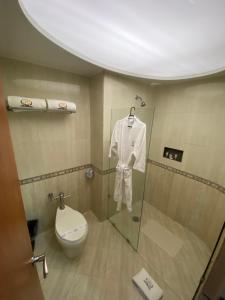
(103, 272)
(105, 269)
(182, 272)
(123, 221)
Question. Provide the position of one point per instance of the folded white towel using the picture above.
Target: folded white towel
(61, 106)
(147, 286)
(16, 103)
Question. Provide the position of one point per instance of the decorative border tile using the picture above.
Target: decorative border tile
(54, 174)
(210, 183)
(63, 172)
(103, 172)
(97, 170)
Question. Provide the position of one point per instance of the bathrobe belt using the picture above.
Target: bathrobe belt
(123, 186)
(122, 169)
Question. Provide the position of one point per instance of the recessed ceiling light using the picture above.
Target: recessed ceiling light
(154, 39)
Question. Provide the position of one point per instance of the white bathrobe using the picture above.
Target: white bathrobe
(129, 145)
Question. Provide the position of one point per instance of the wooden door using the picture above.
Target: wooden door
(18, 278)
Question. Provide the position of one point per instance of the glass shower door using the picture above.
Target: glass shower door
(128, 223)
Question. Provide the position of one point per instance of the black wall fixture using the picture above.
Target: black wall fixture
(33, 228)
(173, 154)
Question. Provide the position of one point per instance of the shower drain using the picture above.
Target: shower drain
(136, 219)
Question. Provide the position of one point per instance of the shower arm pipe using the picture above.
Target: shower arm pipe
(139, 98)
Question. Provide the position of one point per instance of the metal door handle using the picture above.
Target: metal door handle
(41, 258)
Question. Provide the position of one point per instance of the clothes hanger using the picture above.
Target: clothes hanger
(132, 108)
(131, 116)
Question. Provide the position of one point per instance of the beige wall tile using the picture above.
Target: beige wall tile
(193, 204)
(119, 93)
(99, 194)
(110, 91)
(119, 96)
(98, 201)
(190, 116)
(96, 92)
(48, 142)
(38, 206)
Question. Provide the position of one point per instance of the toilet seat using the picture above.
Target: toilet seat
(70, 225)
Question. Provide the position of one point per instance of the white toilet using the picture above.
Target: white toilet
(71, 230)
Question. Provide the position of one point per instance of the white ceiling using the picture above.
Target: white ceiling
(157, 39)
(20, 40)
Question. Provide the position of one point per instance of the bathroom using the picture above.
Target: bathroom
(176, 226)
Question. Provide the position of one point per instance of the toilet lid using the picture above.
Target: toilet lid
(70, 224)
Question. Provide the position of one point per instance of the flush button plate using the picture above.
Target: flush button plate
(173, 154)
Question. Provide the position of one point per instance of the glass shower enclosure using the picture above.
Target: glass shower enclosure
(128, 223)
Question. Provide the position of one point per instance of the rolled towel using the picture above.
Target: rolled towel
(19, 104)
(61, 106)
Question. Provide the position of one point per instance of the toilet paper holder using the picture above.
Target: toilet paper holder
(89, 173)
